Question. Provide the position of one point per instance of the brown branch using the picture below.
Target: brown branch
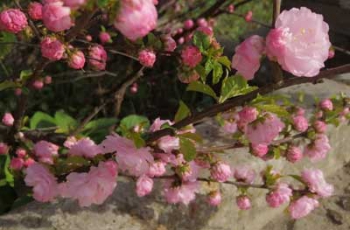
(240, 100)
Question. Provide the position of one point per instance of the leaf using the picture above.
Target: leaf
(234, 86)
(77, 161)
(225, 61)
(65, 122)
(274, 108)
(201, 40)
(209, 65)
(217, 73)
(201, 71)
(41, 120)
(7, 84)
(131, 121)
(136, 137)
(25, 75)
(5, 38)
(193, 136)
(182, 112)
(202, 88)
(102, 3)
(102, 123)
(187, 148)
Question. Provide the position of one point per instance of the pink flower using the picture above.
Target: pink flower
(248, 114)
(21, 153)
(105, 37)
(320, 126)
(317, 184)
(300, 42)
(259, 150)
(188, 24)
(38, 84)
(221, 172)
(85, 147)
(294, 154)
(264, 131)
(319, 148)
(70, 141)
(231, 8)
(191, 56)
(147, 58)
(16, 163)
(45, 151)
(302, 207)
(28, 162)
(3, 148)
(56, 17)
(247, 57)
(191, 172)
(93, 187)
(44, 183)
(130, 159)
(230, 127)
(98, 57)
(35, 10)
(74, 4)
(206, 30)
(144, 185)
(8, 119)
(136, 18)
(157, 169)
(331, 53)
(214, 198)
(166, 143)
(13, 21)
(244, 174)
(183, 193)
(52, 48)
(77, 60)
(326, 104)
(300, 123)
(249, 16)
(202, 22)
(169, 43)
(48, 80)
(280, 195)
(243, 202)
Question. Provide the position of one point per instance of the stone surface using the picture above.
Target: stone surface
(124, 210)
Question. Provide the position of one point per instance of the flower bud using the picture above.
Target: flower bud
(147, 58)
(8, 119)
(243, 202)
(214, 198)
(221, 172)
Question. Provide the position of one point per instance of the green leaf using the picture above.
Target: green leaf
(25, 75)
(6, 48)
(202, 88)
(97, 125)
(131, 121)
(192, 136)
(201, 40)
(225, 61)
(65, 122)
(274, 108)
(188, 149)
(217, 73)
(209, 65)
(102, 3)
(234, 86)
(77, 161)
(182, 112)
(7, 84)
(138, 140)
(201, 71)
(41, 120)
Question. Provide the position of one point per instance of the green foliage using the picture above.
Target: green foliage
(5, 48)
(234, 86)
(187, 148)
(131, 121)
(64, 122)
(182, 112)
(41, 120)
(201, 40)
(7, 85)
(202, 88)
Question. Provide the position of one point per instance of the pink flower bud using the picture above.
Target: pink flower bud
(316, 182)
(230, 127)
(144, 185)
(294, 154)
(221, 172)
(157, 169)
(260, 150)
(319, 114)
(302, 207)
(243, 202)
(202, 22)
(77, 60)
(249, 16)
(8, 119)
(18, 91)
(300, 123)
(331, 53)
(52, 48)
(35, 10)
(48, 80)
(88, 38)
(320, 126)
(244, 174)
(191, 56)
(147, 58)
(3, 148)
(326, 104)
(38, 84)
(21, 153)
(134, 88)
(231, 8)
(181, 40)
(13, 21)
(98, 57)
(169, 43)
(300, 111)
(16, 163)
(56, 17)
(105, 37)
(28, 162)
(206, 30)
(279, 195)
(188, 24)
(45, 151)
(214, 198)
(248, 114)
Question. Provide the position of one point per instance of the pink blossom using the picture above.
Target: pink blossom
(183, 193)
(280, 195)
(135, 161)
(260, 150)
(157, 169)
(206, 30)
(144, 185)
(300, 42)
(188, 77)
(21, 152)
(35, 10)
(247, 57)
(300, 123)
(13, 21)
(214, 198)
(302, 207)
(331, 53)
(3, 148)
(264, 131)
(16, 163)
(45, 151)
(88, 38)
(244, 174)
(202, 22)
(147, 58)
(134, 88)
(48, 80)
(52, 48)
(85, 147)
(8, 119)
(191, 56)
(243, 202)
(136, 18)
(191, 172)
(249, 16)
(326, 104)
(93, 187)
(166, 143)
(319, 148)
(18, 91)
(317, 184)
(188, 24)
(74, 4)
(105, 37)
(231, 8)
(43, 182)
(181, 40)
(56, 17)
(169, 43)
(38, 84)
(77, 60)
(174, 160)
(230, 127)
(98, 57)
(28, 162)
(248, 114)
(221, 172)
(294, 154)
(70, 141)
(320, 126)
